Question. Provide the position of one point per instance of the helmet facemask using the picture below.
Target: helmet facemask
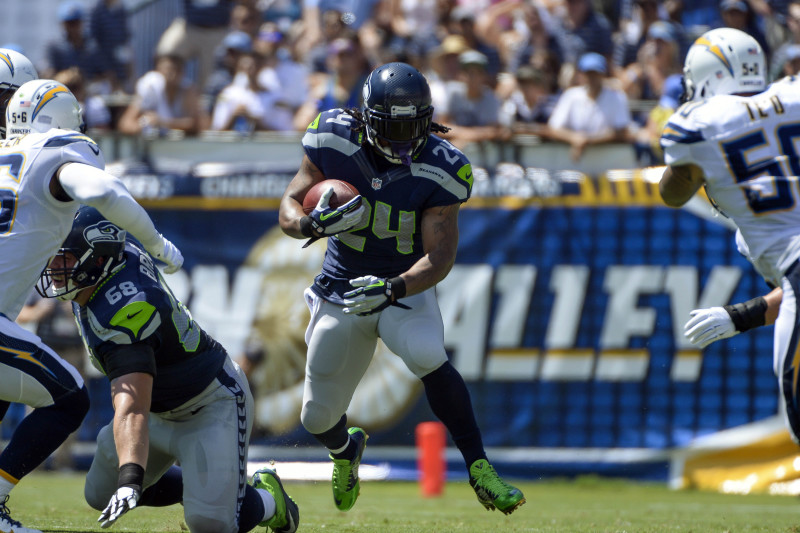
(400, 134)
(89, 255)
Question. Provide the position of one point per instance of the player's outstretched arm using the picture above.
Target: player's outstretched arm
(97, 188)
(130, 396)
(679, 183)
(716, 323)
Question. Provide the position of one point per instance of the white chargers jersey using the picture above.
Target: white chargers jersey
(33, 224)
(748, 148)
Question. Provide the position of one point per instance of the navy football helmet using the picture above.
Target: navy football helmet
(397, 111)
(98, 246)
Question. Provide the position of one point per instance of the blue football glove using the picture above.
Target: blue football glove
(373, 295)
(330, 221)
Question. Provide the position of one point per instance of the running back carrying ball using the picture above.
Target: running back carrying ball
(343, 192)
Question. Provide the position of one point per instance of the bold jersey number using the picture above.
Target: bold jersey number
(381, 228)
(10, 167)
(115, 294)
(745, 172)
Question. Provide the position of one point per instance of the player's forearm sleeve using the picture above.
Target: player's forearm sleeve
(97, 188)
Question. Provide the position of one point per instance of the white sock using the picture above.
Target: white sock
(269, 503)
(343, 448)
(5, 488)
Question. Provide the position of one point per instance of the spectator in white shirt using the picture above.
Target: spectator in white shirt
(592, 113)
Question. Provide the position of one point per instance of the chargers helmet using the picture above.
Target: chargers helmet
(41, 105)
(98, 247)
(397, 111)
(724, 61)
(15, 69)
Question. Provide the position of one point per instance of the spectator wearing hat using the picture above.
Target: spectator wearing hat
(196, 34)
(233, 46)
(445, 68)
(472, 108)
(342, 88)
(779, 57)
(164, 101)
(74, 48)
(591, 113)
(738, 15)
(108, 26)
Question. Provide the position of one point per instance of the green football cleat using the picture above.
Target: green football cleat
(346, 485)
(492, 491)
(287, 515)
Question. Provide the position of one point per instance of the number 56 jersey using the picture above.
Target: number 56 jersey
(748, 148)
(33, 224)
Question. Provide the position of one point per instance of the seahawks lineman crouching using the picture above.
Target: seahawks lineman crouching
(386, 251)
(48, 169)
(176, 394)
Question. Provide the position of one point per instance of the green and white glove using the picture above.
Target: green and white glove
(374, 294)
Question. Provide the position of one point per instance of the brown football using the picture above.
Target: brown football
(343, 192)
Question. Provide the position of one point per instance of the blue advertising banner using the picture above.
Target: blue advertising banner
(564, 313)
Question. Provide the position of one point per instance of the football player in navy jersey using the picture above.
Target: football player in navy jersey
(49, 168)
(387, 250)
(176, 394)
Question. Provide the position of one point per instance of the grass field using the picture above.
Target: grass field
(54, 502)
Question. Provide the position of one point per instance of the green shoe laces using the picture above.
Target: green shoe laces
(487, 479)
(343, 474)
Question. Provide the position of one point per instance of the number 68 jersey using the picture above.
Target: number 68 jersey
(33, 224)
(748, 148)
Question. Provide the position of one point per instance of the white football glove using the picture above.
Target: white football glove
(709, 325)
(121, 502)
(330, 221)
(169, 254)
(373, 294)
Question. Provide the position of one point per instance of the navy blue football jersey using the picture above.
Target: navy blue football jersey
(389, 239)
(135, 305)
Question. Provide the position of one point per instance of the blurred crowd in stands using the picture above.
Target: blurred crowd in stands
(582, 72)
